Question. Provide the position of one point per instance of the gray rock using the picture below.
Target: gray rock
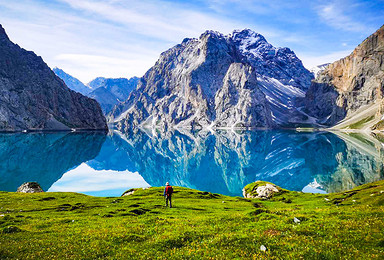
(217, 81)
(29, 187)
(262, 192)
(32, 97)
(346, 86)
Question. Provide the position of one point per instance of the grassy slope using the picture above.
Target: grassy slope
(362, 119)
(347, 225)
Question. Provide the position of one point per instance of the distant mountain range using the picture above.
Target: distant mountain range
(72, 82)
(319, 68)
(110, 92)
(107, 91)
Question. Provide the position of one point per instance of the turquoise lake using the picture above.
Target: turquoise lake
(222, 162)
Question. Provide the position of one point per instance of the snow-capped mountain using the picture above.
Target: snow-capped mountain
(319, 68)
(218, 81)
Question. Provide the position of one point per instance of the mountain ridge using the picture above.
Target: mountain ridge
(108, 92)
(34, 98)
(217, 81)
(348, 94)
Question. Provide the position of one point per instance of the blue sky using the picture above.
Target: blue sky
(124, 38)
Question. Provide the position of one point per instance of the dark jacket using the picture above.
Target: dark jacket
(168, 190)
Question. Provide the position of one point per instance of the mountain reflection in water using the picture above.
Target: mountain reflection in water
(223, 162)
(44, 157)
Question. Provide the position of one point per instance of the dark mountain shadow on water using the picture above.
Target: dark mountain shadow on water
(226, 161)
(44, 157)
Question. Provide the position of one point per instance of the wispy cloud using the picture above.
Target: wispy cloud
(119, 38)
(96, 65)
(335, 14)
(149, 19)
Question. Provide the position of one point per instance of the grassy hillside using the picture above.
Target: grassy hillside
(347, 225)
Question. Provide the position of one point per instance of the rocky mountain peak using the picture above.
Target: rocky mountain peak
(34, 98)
(219, 81)
(247, 39)
(211, 34)
(3, 34)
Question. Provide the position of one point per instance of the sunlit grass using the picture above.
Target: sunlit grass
(345, 225)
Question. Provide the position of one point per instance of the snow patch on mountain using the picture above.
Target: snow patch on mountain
(317, 69)
(218, 81)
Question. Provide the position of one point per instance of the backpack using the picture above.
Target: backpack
(169, 190)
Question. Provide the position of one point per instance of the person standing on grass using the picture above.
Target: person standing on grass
(168, 194)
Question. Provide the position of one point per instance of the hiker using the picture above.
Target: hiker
(168, 194)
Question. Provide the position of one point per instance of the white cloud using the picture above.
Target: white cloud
(98, 38)
(88, 67)
(118, 38)
(334, 13)
(156, 19)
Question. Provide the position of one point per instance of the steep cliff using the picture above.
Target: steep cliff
(32, 97)
(218, 81)
(349, 92)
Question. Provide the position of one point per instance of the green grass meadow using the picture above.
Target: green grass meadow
(202, 225)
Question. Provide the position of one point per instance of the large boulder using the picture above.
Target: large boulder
(261, 190)
(30, 187)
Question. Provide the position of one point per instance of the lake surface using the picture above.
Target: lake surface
(224, 162)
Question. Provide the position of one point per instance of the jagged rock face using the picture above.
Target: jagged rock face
(347, 85)
(278, 63)
(216, 81)
(72, 82)
(33, 97)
